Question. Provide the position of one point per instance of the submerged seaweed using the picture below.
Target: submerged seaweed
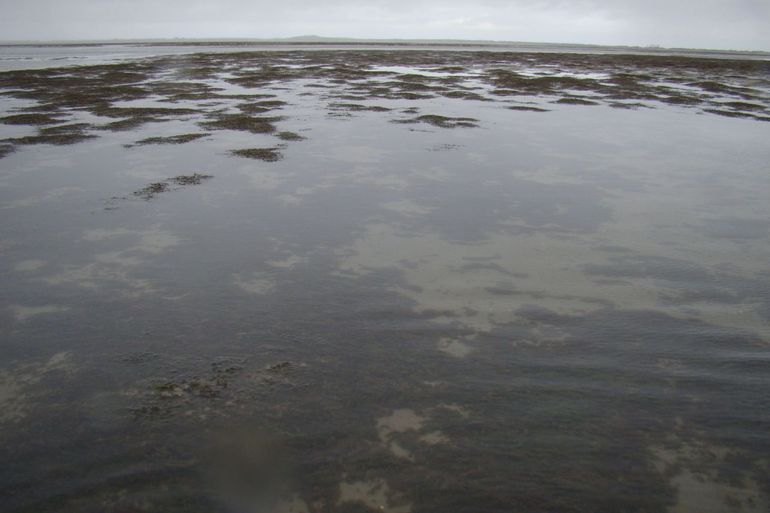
(193, 179)
(174, 139)
(30, 119)
(6, 149)
(527, 108)
(441, 121)
(253, 124)
(572, 100)
(150, 191)
(266, 154)
(58, 135)
(356, 107)
(290, 136)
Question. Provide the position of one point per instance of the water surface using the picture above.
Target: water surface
(382, 280)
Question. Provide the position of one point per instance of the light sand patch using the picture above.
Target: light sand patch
(17, 383)
(698, 494)
(26, 266)
(176, 298)
(303, 191)
(400, 421)
(407, 208)
(298, 195)
(456, 408)
(289, 199)
(385, 181)
(104, 234)
(432, 268)
(116, 268)
(697, 483)
(118, 259)
(434, 438)
(287, 263)
(357, 154)
(42, 198)
(99, 274)
(375, 494)
(365, 175)
(542, 336)
(293, 505)
(403, 421)
(433, 173)
(525, 269)
(24, 313)
(266, 181)
(6, 244)
(454, 347)
(255, 283)
(154, 240)
(399, 451)
(12, 398)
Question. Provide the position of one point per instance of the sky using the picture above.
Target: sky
(718, 24)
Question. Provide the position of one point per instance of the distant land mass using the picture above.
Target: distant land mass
(349, 41)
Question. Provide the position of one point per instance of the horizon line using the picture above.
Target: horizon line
(315, 39)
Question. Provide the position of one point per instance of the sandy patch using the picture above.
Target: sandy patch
(24, 313)
(255, 283)
(375, 494)
(26, 266)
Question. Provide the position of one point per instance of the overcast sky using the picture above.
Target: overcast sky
(726, 24)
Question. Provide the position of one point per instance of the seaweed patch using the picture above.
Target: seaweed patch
(265, 154)
(290, 136)
(174, 139)
(255, 125)
(441, 121)
(150, 191)
(30, 119)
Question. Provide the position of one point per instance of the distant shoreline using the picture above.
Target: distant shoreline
(388, 43)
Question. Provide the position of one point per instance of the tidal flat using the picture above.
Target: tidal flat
(357, 280)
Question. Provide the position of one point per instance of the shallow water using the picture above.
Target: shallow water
(494, 310)
(47, 55)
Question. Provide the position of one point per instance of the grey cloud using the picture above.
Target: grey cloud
(737, 24)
